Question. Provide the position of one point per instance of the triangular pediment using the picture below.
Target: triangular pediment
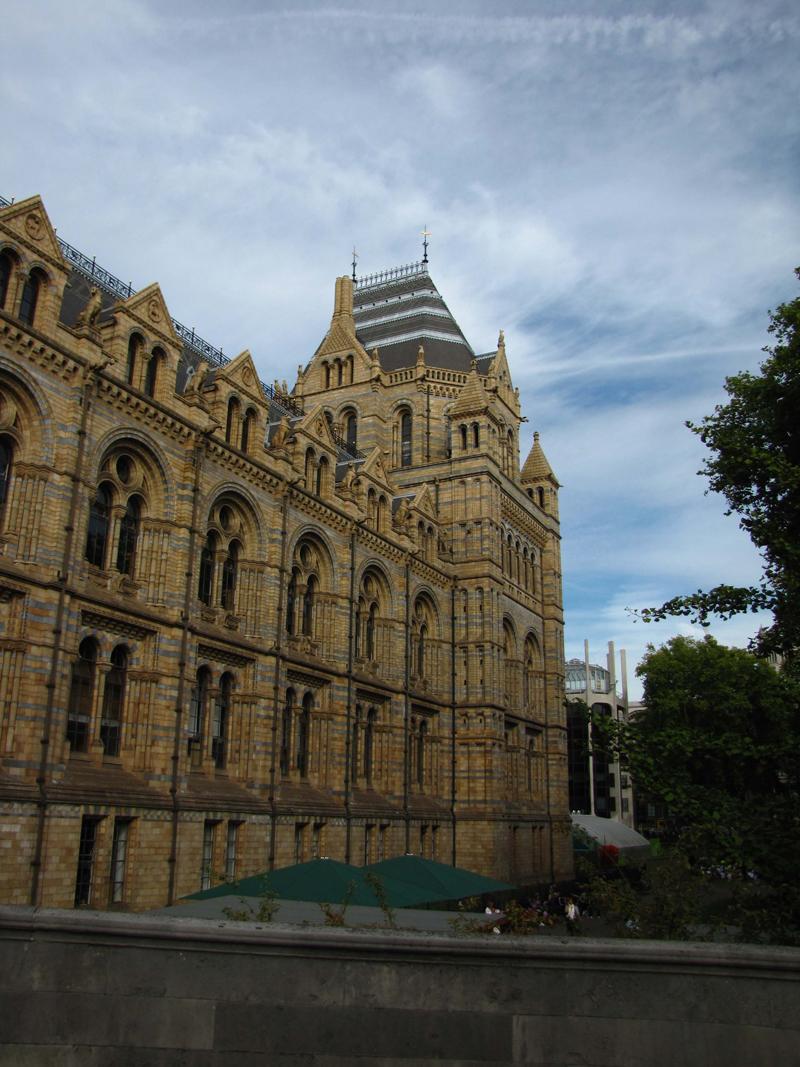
(149, 307)
(242, 372)
(29, 221)
(425, 503)
(315, 425)
(340, 341)
(373, 467)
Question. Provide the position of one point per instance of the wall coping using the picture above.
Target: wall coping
(204, 935)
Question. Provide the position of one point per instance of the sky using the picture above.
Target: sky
(616, 185)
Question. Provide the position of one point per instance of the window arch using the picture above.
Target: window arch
(463, 430)
(476, 435)
(310, 469)
(231, 420)
(369, 743)
(31, 295)
(383, 509)
(219, 725)
(509, 663)
(327, 368)
(309, 604)
(248, 423)
(7, 264)
(6, 464)
(113, 701)
(99, 525)
(406, 438)
(540, 497)
(310, 575)
(230, 570)
(304, 735)
(323, 468)
(423, 629)
(81, 695)
(532, 676)
(205, 581)
(350, 427)
(135, 346)
(197, 709)
(286, 731)
(129, 535)
(151, 371)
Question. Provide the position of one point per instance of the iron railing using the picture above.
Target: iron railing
(410, 270)
(114, 286)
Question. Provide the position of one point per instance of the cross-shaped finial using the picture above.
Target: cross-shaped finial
(355, 259)
(425, 235)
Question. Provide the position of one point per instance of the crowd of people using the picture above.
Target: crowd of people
(528, 913)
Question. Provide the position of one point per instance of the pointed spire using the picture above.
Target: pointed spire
(536, 468)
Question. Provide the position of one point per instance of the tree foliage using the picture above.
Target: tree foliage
(754, 440)
(719, 741)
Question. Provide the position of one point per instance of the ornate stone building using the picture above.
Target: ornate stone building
(244, 625)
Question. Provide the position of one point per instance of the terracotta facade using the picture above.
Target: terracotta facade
(241, 625)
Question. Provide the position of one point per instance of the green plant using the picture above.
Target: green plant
(336, 916)
(264, 912)
(379, 889)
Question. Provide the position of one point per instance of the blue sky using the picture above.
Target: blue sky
(615, 184)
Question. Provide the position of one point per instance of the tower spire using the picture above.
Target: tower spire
(425, 235)
(355, 260)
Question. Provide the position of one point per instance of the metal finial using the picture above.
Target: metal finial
(355, 260)
(425, 235)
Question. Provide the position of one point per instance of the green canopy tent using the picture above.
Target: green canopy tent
(324, 881)
(438, 881)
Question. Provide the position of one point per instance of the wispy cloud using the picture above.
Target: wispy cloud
(616, 185)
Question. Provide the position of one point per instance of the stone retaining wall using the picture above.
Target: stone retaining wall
(135, 991)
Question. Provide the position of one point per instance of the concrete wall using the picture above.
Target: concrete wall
(134, 991)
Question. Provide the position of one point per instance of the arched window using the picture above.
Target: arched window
(286, 731)
(351, 430)
(540, 495)
(383, 507)
(291, 601)
(369, 743)
(309, 599)
(128, 536)
(229, 573)
(327, 367)
(6, 272)
(422, 738)
(219, 725)
(304, 735)
(372, 506)
(205, 582)
(309, 469)
(6, 460)
(113, 701)
(81, 695)
(358, 724)
(247, 428)
(421, 639)
(322, 476)
(30, 296)
(372, 617)
(231, 419)
(97, 533)
(463, 430)
(197, 708)
(476, 435)
(405, 439)
(350, 369)
(339, 372)
(509, 656)
(135, 345)
(151, 373)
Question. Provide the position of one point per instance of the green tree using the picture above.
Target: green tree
(754, 441)
(719, 741)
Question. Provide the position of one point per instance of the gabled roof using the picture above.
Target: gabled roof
(536, 467)
(473, 398)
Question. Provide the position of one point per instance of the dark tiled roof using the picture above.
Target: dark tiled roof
(398, 314)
